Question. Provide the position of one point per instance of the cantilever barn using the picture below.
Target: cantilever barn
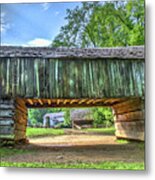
(62, 77)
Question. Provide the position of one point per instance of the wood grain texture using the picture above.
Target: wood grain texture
(129, 119)
(7, 123)
(56, 78)
(130, 116)
(131, 135)
(20, 119)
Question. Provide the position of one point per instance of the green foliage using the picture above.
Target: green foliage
(67, 121)
(103, 24)
(80, 165)
(103, 116)
(37, 132)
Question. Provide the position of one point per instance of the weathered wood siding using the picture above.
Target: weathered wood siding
(7, 124)
(59, 73)
(13, 119)
(130, 119)
(59, 78)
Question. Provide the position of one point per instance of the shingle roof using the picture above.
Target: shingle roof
(131, 52)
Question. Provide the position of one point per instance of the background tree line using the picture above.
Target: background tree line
(101, 116)
(103, 24)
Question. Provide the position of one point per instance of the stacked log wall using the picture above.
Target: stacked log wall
(129, 119)
(13, 119)
(7, 123)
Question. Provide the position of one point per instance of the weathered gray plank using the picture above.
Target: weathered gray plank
(8, 122)
(6, 106)
(68, 78)
(5, 130)
(6, 113)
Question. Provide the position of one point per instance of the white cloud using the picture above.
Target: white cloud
(39, 42)
(45, 6)
(4, 25)
(57, 13)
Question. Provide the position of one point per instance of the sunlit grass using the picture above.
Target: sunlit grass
(36, 132)
(106, 131)
(101, 165)
(122, 141)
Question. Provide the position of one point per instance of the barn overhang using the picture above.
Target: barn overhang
(68, 77)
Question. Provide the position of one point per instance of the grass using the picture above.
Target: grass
(141, 145)
(36, 132)
(78, 165)
(122, 141)
(5, 152)
(106, 131)
(11, 151)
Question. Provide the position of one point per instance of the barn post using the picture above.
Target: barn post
(20, 118)
(129, 119)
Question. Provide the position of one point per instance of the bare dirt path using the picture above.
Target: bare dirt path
(78, 148)
(74, 140)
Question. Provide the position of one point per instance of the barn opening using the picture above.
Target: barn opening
(128, 114)
(74, 120)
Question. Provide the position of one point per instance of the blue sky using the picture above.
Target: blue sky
(33, 24)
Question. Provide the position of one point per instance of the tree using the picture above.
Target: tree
(67, 121)
(103, 116)
(98, 24)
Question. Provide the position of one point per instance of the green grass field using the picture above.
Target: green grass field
(36, 132)
(106, 131)
(78, 165)
(6, 152)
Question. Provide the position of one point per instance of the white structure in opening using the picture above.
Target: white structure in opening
(52, 119)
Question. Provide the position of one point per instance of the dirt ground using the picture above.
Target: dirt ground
(78, 148)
